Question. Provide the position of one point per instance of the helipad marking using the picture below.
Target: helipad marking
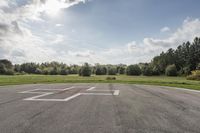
(42, 94)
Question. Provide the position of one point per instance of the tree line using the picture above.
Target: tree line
(180, 61)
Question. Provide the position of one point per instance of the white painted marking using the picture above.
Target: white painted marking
(183, 89)
(91, 88)
(97, 94)
(176, 88)
(116, 93)
(42, 93)
(68, 88)
(33, 91)
(72, 97)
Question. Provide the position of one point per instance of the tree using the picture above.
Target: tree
(100, 70)
(133, 70)
(6, 67)
(54, 71)
(63, 72)
(38, 71)
(29, 67)
(147, 70)
(112, 70)
(3, 69)
(171, 70)
(121, 70)
(17, 68)
(85, 70)
(156, 70)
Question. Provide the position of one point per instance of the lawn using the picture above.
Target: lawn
(154, 80)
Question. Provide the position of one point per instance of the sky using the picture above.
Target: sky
(94, 31)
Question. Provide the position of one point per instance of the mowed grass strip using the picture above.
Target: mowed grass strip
(153, 80)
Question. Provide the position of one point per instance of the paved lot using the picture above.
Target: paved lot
(98, 108)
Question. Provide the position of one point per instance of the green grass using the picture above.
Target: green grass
(154, 80)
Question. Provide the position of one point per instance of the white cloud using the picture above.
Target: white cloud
(17, 41)
(144, 51)
(59, 38)
(3, 3)
(59, 25)
(165, 29)
(20, 44)
(187, 32)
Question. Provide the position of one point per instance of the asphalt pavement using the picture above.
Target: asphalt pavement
(98, 108)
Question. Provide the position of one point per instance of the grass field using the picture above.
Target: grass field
(155, 80)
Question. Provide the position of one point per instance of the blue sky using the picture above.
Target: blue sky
(94, 31)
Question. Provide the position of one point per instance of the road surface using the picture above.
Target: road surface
(98, 108)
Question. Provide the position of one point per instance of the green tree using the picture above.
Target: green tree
(112, 70)
(6, 67)
(85, 70)
(133, 70)
(147, 70)
(171, 70)
(156, 70)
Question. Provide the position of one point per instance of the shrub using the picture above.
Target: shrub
(156, 71)
(133, 70)
(38, 71)
(112, 71)
(9, 72)
(121, 70)
(198, 67)
(171, 70)
(85, 70)
(53, 71)
(147, 70)
(110, 78)
(186, 71)
(195, 75)
(46, 71)
(63, 72)
(2, 68)
(100, 70)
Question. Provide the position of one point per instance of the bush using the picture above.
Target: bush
(186, 71)
(171, 70)
(63, 72)
(133, 70)
(9, 72)
(198, 67)
(53, 71)
(147, 70)
(46, 71)
(38, 71)
(85, 70)
(100, 70)
(112, 71)
(195, 75)
(121, 70)
(2, 68)
(156, 71)
(110, 78)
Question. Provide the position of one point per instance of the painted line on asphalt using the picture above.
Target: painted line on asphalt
(183, 89)
(116, 93)
(173, 88)
(42, 94)
(91, 88)
(38, 96)
(98, 94)
(72, 97)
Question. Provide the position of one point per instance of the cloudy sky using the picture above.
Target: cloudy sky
(103, 31)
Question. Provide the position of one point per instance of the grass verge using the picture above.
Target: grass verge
(154, 80)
